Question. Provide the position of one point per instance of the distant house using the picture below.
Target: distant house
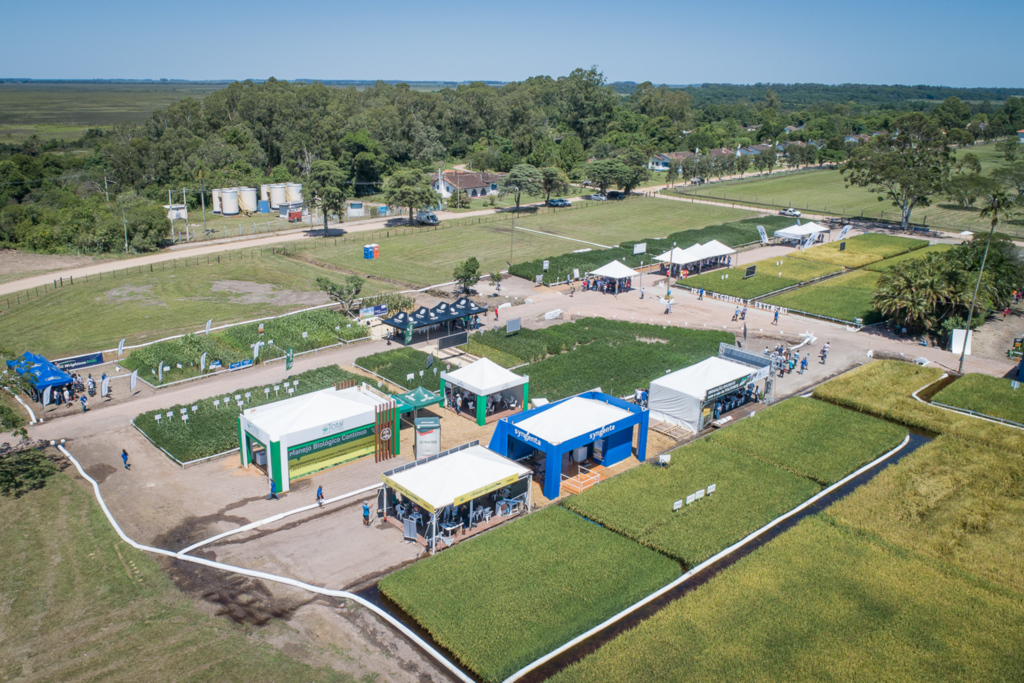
(660, 162)
(1020, 136)
(856, 139)
(721, 152)
(752, 129)
(752, 150)
(793, 129)
(473, 184)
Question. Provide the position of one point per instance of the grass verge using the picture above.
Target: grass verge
(993, 396)
(846, 297)
(772, 275)
(861, 250)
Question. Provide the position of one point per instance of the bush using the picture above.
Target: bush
(24, 471)
(214, 429)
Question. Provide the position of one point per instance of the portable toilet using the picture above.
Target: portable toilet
(371, 251)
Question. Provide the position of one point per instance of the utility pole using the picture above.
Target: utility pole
(184, 202)
(105, 190)
(170, 203)
(202, 198)
(123, 218)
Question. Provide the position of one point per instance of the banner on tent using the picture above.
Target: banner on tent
(83, 361)
(728, 387)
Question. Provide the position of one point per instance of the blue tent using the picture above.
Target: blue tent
(590, 425)
(40, 372)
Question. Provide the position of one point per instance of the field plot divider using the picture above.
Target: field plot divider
(706, 563)
(399, 626)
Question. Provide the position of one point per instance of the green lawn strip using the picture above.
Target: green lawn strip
(322, 327)
(955, 500)
(500, 601)
(822, 602)
(559, 267)
(884, 387)
(772, 275)
(174, 299)
(845, 297)
(214, 429)
(861, 250)
(886, 264)
(397, 364)
(749, 494)
(811, 438)
(992, 396)
(89, 607)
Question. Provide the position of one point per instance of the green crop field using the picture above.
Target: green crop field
(397, 364)
(886, 264)
(823, 602)
(861, 250)
(846, 297)
(590, 352)
(772, 275)
(89, 607)
(993, 396)
(812, 438)
(213, 429)
(826, 191)
(500, 601)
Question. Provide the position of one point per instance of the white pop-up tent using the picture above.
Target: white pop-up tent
(800, 232)
(485, 380)
(679, 257)
(680, 397)
(715, 248)
(615, 270)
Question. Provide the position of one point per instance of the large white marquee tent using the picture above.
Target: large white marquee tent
(679, 397)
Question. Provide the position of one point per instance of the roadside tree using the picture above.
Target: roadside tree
(522, 178)
(345, 292)
(410, 189)
(467, 273)
(553, 181)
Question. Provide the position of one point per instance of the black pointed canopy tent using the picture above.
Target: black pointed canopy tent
(443, 313)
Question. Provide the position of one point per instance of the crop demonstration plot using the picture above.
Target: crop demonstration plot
(992, 396)
(846, 298)
(886, 264)
(772, 275)
(861, 250)
(213, 428)
(500, 601)
(396, 366)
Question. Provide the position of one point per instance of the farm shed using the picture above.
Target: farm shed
(462, 488)
(591, 425)
(688, 397)
(486, 390)
(298, 436)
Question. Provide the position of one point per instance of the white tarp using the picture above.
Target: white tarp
(441, 482)
(327, 411)
(677, 397)
(484, 377)
(715, 248)
(571, 418)
(799, 232)
(680, 257)
(615, 270)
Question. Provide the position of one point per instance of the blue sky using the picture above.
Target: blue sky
(900, 41)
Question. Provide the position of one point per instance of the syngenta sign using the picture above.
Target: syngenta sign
(526, 436)
(607, 429)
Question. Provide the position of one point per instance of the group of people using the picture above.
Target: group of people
(740, 314)
(606, 285)
(75, 392)
(640, 397)
(460, 399)
(786, 360)
(748, 394)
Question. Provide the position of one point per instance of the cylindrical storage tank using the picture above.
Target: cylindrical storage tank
(293, 192)
(278, 196)
(229, 202)
(216, 201)
(264, 192)
(247, 199)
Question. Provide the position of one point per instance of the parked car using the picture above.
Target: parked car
(697, 181)
(559, 202)
(615, 194)
(790, 212)
(427, 217)
(596, 197)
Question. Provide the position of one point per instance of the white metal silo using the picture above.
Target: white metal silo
(278, 195)
(216, 201)
(229, 202)
(247, 199)
(264, 192)
(293, 192)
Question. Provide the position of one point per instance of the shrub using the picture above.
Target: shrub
(24, 471)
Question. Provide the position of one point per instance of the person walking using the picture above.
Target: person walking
(736, 314)
(700, 294)
(273, 491)
(458, 403)
(366, 513)
(85, 403)
(495, 312)
(803, 365)
(641, 294)
(743, 314)
(124, 458)
(320, 496)
(776, 321)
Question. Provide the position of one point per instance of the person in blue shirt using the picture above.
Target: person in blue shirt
(320, 496)
(366, 513)
(803, 365)
(273, 491)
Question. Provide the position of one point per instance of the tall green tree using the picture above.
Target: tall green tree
(409, 188)
(523, 178)
(607, 172)
(329, 185)
(672, 174)
(906, 168)
(553, 181)
(345, 292)
(467, 273)
(635, 160)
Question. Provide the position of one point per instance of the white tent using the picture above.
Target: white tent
(574, 417)
(678, 397)
(456, 478)
(715, 248)
(680, 257)
(615, 270)
(484, 377)
(307, 414)
(799, 232)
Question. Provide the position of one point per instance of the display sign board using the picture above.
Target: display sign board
(428, 436)
(408, 333)
(451, 340)
(677, 505)
(842, 246)
(76, 362)
(762, 233)
(513, 325)
(539, 279)
(378, 311)
(289, 358)
(750, 272)
(640, 248)
(844, 232)
(545, 265)
(241, 364)
(576, 273)
(728, 387)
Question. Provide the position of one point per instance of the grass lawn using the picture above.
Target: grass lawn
(993, 396)
(768, 279)
(861, 250)
(79, 604)
(886, 264)
(846, 297)
(96, 314)
(499, 601)
(823, 602)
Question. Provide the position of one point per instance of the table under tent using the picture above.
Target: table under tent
(558, 438)
(695, 396)
(485, 390)
(41, 375)
(427, 324)
(612, 278)
(453, 494)
(798, 235)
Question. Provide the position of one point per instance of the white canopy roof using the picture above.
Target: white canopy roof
(616, 270)
(715, 248)
(680, 257)
(456, 478)
(677, 397)
(484, 377)
(571, 418)
(352, 407)
(800, 231)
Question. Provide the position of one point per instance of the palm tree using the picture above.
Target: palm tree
(997, 205)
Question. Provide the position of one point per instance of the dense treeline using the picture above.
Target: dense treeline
(60, 196)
